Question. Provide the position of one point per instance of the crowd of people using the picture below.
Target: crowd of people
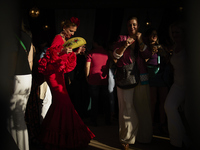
(137, 72)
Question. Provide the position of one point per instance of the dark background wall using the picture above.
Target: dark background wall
(106, 18)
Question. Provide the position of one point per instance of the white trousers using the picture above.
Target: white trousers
(175, 98)
(128, 120)
(135, 121)
(16, 124)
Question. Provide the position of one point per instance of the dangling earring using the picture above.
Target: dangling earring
(63, 34)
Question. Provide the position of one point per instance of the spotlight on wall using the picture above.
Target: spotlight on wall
(34, 12)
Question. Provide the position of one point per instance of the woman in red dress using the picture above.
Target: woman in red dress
(62, 128)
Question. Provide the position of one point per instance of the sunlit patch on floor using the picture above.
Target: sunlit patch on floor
(161, 137)
(102, 146)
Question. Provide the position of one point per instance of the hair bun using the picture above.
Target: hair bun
(63, 23)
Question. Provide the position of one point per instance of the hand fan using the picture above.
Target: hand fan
(75, 42)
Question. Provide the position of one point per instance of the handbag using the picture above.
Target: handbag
(127, 76)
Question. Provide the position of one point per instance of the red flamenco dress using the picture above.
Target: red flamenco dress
(62, 128)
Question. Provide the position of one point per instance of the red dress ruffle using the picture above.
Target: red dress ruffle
(62, 127)
(54, 61)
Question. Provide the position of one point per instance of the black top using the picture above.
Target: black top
(22, 64)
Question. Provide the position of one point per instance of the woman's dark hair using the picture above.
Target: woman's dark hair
(67, 23)
(25, 22)
(73, 21)
(149, 31)
(131, 18)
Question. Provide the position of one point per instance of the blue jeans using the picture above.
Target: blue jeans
(100, 97)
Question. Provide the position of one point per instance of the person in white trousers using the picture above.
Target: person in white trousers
(16, 124)
(177, 94)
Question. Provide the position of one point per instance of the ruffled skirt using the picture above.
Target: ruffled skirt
(62, 127)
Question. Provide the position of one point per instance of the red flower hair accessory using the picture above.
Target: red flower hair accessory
(75, 20)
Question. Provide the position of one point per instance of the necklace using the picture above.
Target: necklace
(62, 35)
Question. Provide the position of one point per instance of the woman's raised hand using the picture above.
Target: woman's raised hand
(139, 37)
(81, 50)
(67, 49)
(129, 41)
(154, 50)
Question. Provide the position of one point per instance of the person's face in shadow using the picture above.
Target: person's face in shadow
(153, 36)
(177, 34)
(132, 26)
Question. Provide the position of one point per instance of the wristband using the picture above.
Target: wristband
(117, 56)
(144, 48)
